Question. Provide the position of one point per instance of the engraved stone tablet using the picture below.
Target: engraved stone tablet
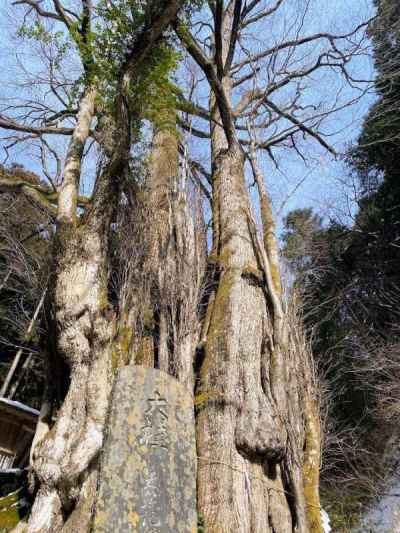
(148, 467)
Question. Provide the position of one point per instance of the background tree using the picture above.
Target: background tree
(24, 254)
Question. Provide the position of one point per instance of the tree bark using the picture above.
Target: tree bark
(253, 384)
(175, 258)
(80, 315)
(81, 358)
(255, 405)
(241, 440)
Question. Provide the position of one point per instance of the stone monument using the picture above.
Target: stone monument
(148, 466)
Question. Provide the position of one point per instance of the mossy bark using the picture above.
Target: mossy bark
(253, 381)
(311, 465)
(80, 365)
(256, 414)
(173, 263)
(239, 435)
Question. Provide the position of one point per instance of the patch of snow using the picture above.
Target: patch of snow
(11, 471)
(326, 524)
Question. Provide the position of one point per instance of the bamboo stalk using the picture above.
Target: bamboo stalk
(24, 369)
(5, 280)
(18, 355)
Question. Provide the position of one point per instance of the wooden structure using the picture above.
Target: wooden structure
(17, 428)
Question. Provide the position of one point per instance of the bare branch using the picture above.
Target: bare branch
(301, 126)
(297, 42)
(234, 36)
(188, 127)
(218, 23)
(11, 124)
(62, 13)
(261, 15)
(206, 65)
(35, 4)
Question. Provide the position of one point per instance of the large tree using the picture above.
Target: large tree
(258, 437)
(79, 313)
(231, 341)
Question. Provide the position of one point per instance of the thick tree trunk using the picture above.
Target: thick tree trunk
(173, 263)
(82, 323)
(82, 319)
(76, 296)
(253, 387)
(240, 438)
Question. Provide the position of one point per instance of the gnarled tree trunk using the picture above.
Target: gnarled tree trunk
(80, 315)
(241, 439)
(168, 282)
(254, 387)
(79, 366)
(256, 411)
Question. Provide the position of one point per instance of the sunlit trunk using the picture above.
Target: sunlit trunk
(81, 324)
(174, 261)
(256, 412)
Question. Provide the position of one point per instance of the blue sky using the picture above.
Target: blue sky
(320, 182)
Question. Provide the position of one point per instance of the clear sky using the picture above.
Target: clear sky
(320, 182)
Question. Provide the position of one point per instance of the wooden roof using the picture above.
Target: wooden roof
(17, 427)
(18, 412)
